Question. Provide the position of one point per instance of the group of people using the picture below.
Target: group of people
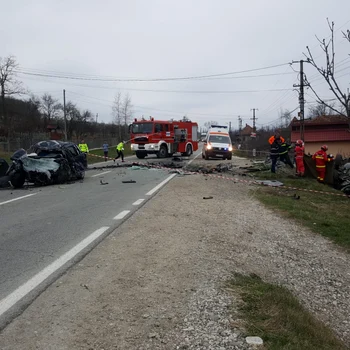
(119, 148)
(280, 148)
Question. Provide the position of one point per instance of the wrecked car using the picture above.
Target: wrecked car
(46, 163)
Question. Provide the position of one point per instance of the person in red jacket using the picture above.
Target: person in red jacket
(321, 159)
(299, 157)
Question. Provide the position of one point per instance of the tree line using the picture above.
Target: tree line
(38, 114)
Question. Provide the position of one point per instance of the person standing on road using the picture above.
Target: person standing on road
(274, 153)
(120, 149)
(299, 157)
(284, 156)
(321, 159)
(105, 150)
(83, 147)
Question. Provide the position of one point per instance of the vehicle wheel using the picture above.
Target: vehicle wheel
(163, 152)
(206, 156)
(229, 157)
(81, 175)
(140, 155)
(203, 156)
(18, 179)
(188, 150)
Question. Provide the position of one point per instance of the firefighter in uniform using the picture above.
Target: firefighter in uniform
(120, 149)
(83, 147)
(321, 159)
(274, 153)
(299, 158)
(284, 156)
(274, 137)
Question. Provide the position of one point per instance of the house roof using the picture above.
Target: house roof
(323, 120)
(247, 130)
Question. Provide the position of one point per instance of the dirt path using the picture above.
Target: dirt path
(156, 283)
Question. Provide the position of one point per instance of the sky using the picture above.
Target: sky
(113, 40)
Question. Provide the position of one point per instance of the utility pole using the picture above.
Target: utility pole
(64, 115)
(96, 117)
(229, 127)
(301, 98)
(254, 118)
(254, 131)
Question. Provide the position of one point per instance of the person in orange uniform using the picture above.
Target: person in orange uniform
(321, 159)
(276, 136)
(299, 157)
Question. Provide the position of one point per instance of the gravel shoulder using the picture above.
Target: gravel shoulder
(157, 282)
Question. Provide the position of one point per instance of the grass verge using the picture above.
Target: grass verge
(325, 214)
(111, 154)
(274, 314)
(6, 156)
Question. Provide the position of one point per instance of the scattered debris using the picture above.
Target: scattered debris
(272, 183)
(128, 182)
(103, 183)
(210, 197)
(295, 196)
(254, 340)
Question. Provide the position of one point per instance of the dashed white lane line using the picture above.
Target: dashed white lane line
(138, 202)
(30, 285)
(18, 198)
(105, 172)
(194, 158)
(160, 185)
(122, 214)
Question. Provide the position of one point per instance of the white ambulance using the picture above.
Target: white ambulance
(217, 143)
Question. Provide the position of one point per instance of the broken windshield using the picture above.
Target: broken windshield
(142, 128)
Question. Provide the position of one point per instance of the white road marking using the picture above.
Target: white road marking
(122, 214)
(160, 185)
(30, 285)
(105, 172)
(138, 202)
(194, 158)
(18, 198)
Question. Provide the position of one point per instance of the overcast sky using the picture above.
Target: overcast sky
(146, 39)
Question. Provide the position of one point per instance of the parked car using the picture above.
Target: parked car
(46, 163)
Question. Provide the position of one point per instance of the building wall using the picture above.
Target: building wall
(342, 147)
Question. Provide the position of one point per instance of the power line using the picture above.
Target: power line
(109, 79)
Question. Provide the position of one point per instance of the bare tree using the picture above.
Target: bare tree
(126, 109)
(9, 85)
(328, 73)
(49, 107)
(126, 112)
(207, 125)
(320, 109)
(286, 117)
(117, 112)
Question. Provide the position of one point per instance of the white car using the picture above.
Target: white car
(217, 145)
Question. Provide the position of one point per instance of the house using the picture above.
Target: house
(332, 130)
(246, 133)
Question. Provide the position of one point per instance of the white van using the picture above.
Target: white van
(217, 143)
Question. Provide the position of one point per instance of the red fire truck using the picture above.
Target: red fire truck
(163, 138)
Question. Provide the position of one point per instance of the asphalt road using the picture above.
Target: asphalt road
(39, 225)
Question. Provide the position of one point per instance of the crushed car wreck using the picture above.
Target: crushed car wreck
(46, 163)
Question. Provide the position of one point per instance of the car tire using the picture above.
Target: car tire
(163, 152)
(140, 155)
(206, 156)
(18, 179)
